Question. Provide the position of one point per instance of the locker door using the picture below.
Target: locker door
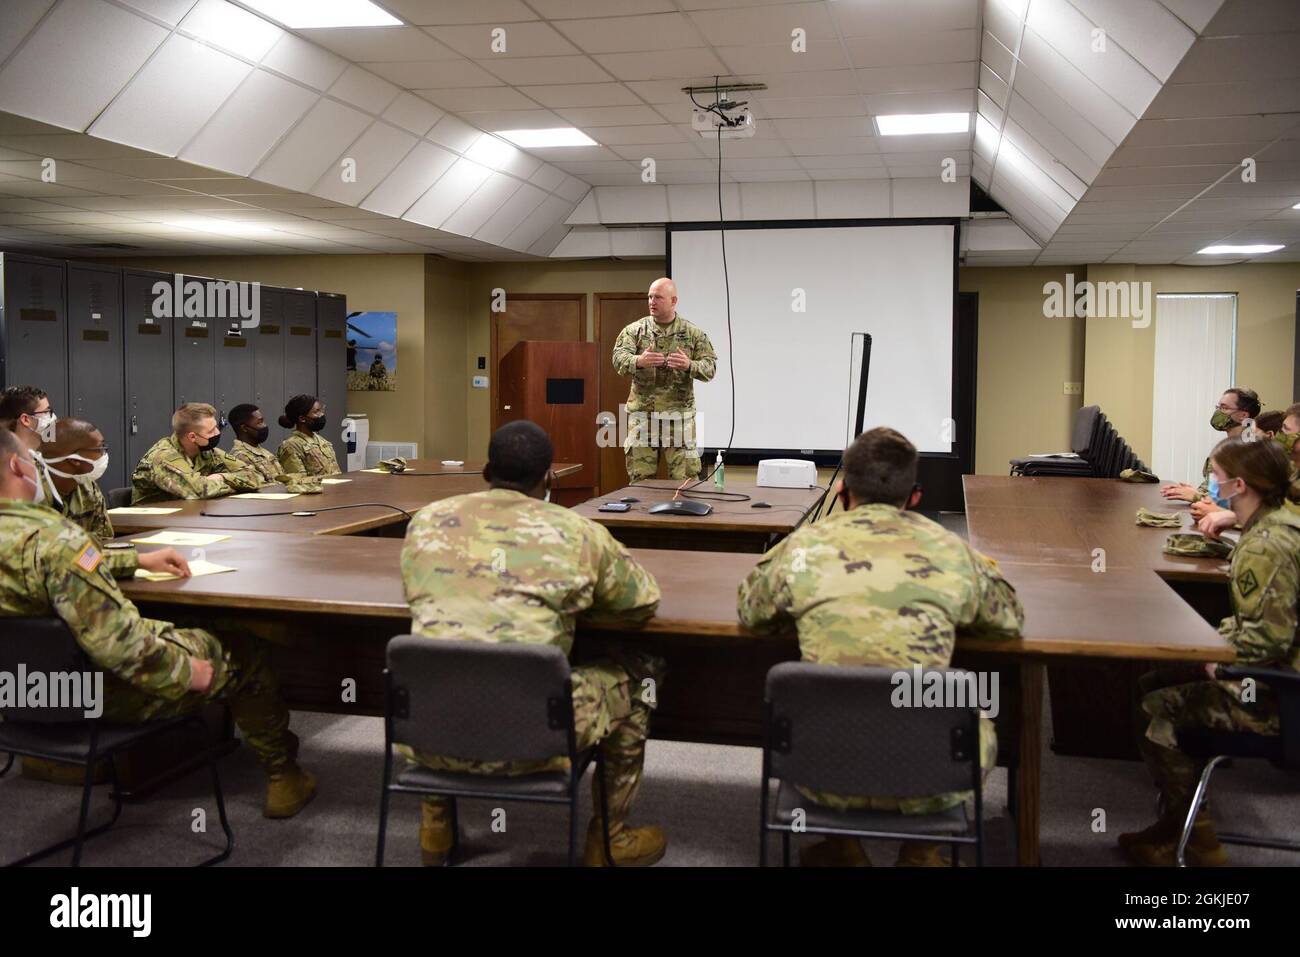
(268, 364)
(331, 366)
(234, 372)
(195, 361)
(299, 345)
(35, 326)
(150, 399)
(96, 360)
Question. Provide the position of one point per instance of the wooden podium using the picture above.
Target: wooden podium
(554, 384)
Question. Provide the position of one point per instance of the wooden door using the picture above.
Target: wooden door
(614, 310)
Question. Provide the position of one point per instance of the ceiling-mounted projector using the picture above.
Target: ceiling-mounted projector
(736, 124)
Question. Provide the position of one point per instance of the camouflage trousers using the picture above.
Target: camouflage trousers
(611, 707)
(930, 804)
(647, 438)
(1171, 707)
(241, 678)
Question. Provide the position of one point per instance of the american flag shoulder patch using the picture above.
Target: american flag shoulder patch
(88, 558)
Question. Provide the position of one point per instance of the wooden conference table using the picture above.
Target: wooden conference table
(372, 503)
(329, 605)
(731, 527)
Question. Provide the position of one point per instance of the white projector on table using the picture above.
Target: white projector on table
(786, 473)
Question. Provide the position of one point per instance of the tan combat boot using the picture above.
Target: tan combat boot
(837, 850)
(631, 846)
(921, 854)
(437, 836)
(288, 791)
(1157, 846)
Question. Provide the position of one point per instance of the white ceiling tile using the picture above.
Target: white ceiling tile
(482, 41)
(947, 46)
(232, 29)
(363, 89)
(865, 148)
(885, 17)
(574, 154)
(448, 193)
(424, 13)
(510, 214)
(169, 12)
(413, 114)
(918, 78)
(455, 133)
(321, 136)
(637, 242)
(434, 74)
(571, 189)
(581, 94)
(1155, 37)
(800, 107)
(628, 34)
(80, 56)
(661, 135)
(1072, 86)
(814, 127)
(520, 164)
(1258, 96)
(20, 16)
(1056, 143)
(780, 58)
(550, 213)
(611, 116)
(1252, 16)
(842, 161)
(494, 120)
(866, 198)
(662, 64)
(374, 154)
(577, 9)
(1195, 13)
(548, 178)
(249, 123)
(168, 101)
(700, 203)
(521, 71)
(305, 62)
(790, 200)
(480, 98)
(630, 204)
(411, 178)
(993, 87)
(361, 44)
(1084, 134)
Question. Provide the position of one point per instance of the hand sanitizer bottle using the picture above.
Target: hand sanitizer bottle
(719, 482)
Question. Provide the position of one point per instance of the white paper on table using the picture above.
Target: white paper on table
(140, 510)
(271, 496)
(180, 538)
(197, 570)
(325, 481)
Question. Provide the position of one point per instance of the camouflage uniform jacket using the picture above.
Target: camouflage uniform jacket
(308, 455)
(260, 459)
(502, 566)
(1265, 587)
(663, 389)
(878, 586)
(166, 472)
(50, 567)
(85, 507)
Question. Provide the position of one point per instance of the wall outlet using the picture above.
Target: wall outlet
(482, 362)
(480, 382)
(1073, 388)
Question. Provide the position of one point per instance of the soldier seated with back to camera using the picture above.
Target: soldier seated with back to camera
(880, 585)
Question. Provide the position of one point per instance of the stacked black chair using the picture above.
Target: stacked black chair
(67, 735)
(1098, 451)
(836, 730)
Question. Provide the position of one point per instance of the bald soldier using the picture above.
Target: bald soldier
(77, 458)
(664, 354)
(51, 568)
(878, 585)
(187, 464)
(504, 565)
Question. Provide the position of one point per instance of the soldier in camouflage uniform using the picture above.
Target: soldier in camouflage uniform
(503, 565)
(305, 452)
(187, 464)
(879, 585)
(663, 353)
(1254, 480)
(1236, 408)
(251, 432)
(26, 410)
(50, 567)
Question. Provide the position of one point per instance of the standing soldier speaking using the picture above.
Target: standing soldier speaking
(663, 353)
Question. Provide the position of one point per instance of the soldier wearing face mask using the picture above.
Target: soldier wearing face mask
(187, 464)
(25, 410)
(251, 433)
(306, 452)
(1234, 414)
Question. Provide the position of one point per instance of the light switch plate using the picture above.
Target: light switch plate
(1073, 388)
(480, 382)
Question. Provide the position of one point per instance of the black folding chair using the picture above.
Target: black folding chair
(1213, 746)
(118, 497)
(836, 730)
(491, 702)
(65, 734)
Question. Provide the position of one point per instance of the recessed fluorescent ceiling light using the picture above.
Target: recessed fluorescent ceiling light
(1237, 250)
(324, 13)
(559, 136)
(904, 124)
(1296, 206)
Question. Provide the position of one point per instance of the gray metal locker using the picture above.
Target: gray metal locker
(299, 345)
(150, 399)
(331, 366)
(96, 358)
(34, 326)
(194, 368)
(234, 373)
(268, 363)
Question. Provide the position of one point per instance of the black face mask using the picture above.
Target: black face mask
(261, 435)
(316, 425)
(211, 443)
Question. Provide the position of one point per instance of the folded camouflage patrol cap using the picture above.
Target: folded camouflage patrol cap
(1137, 475)
(1190, 545)
(304, 487)
(395, 464)
(1159, 519)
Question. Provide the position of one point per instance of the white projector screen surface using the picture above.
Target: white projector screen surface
(792, 368)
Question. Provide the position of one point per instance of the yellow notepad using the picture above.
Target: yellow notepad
(335, 481)
(180, 538)
(272, 496)
(141, 510)
(197, 569)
